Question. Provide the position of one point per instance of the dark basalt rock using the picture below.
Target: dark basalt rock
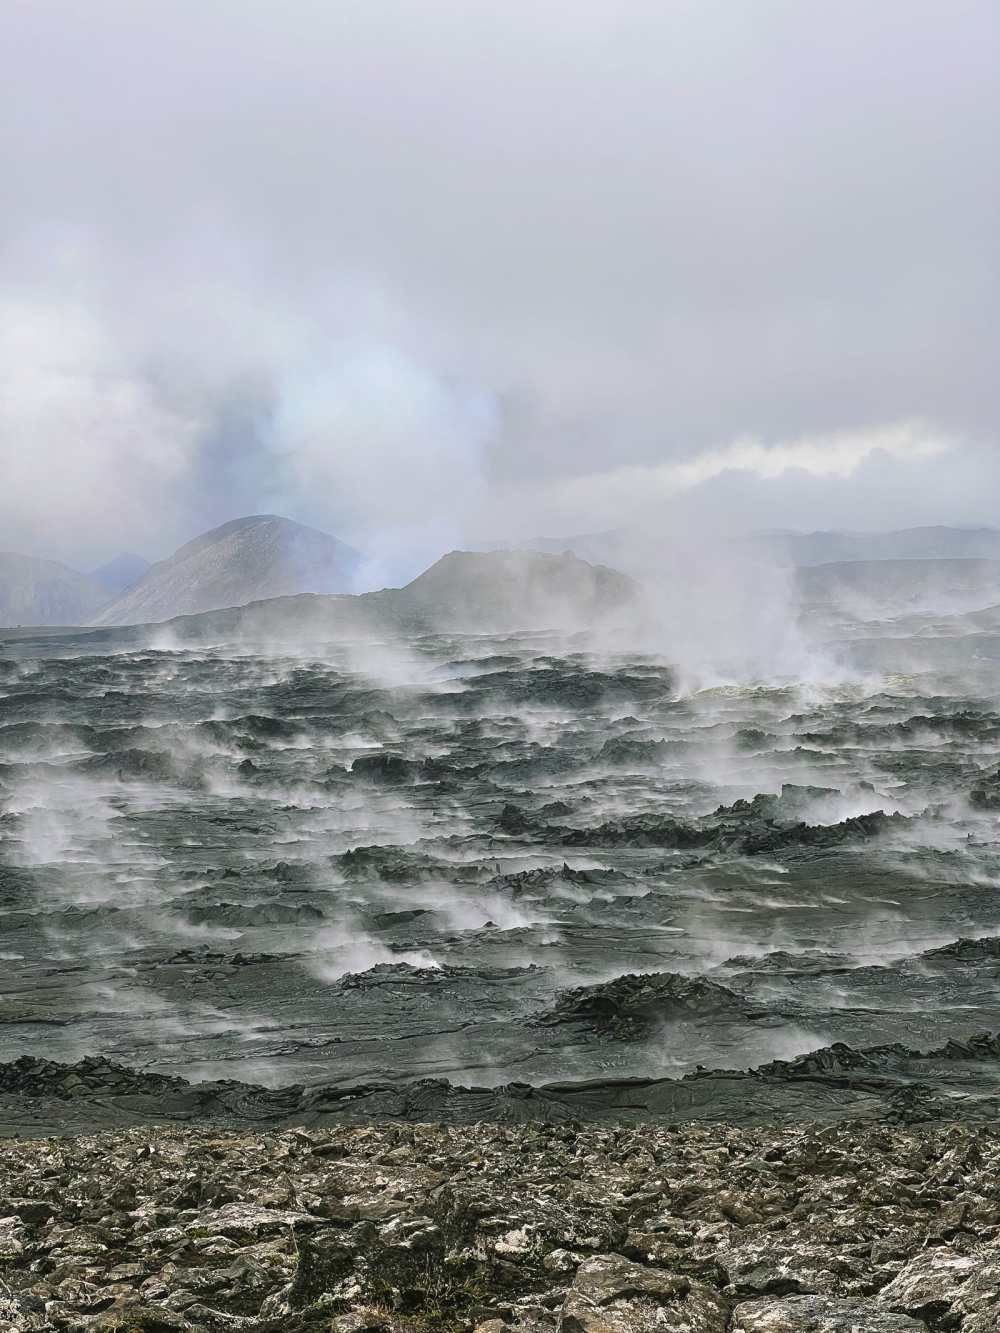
(385, 769)
(785, 807)
(238, 915)
(752, 738)
(263, 726)
(406, 974)
(630, 1007)
(836, 1059)
(389, 920)
(35, 1077)
(638, 831)
(131, 765)
(555, 810)
(291, 872)
(765, 824)
(395, 865)
(782, 963)
(624, 752)
(515, 821)
(888, 1083)
(857, 828)
(986, 794)
(966, 951)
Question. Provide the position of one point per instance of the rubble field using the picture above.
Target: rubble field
(528, 1228)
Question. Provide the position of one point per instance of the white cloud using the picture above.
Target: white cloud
(618, 495)
(686, 241)
(88, 446)
(834, 455)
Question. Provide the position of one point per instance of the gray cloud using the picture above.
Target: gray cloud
(423, 271)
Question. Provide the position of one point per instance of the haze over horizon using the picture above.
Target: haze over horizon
(420, 276)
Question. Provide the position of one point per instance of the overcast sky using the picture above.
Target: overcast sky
(424, 272)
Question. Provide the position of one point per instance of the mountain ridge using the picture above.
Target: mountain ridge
(246, 559)
(463, 592)
(120, 573)
(787, 546)
(45, 592)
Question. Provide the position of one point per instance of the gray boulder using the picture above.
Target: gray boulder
(612, 1295)
(819, 1314)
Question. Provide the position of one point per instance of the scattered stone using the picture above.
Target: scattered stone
(504, 1228)
(818, 1314)
(942, 1286)
(612, 1295)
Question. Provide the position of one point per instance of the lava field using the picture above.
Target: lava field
(487, 877)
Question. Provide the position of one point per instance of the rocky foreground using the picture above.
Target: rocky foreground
(691, 1228)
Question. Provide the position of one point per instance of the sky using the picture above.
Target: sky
(426, 273)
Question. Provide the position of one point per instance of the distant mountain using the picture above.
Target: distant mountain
(868, 589)
(464, 592)
(931, 543)
(242, 561)
(44, 592)
(121, 573)
(512, 590)
(637, 550)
